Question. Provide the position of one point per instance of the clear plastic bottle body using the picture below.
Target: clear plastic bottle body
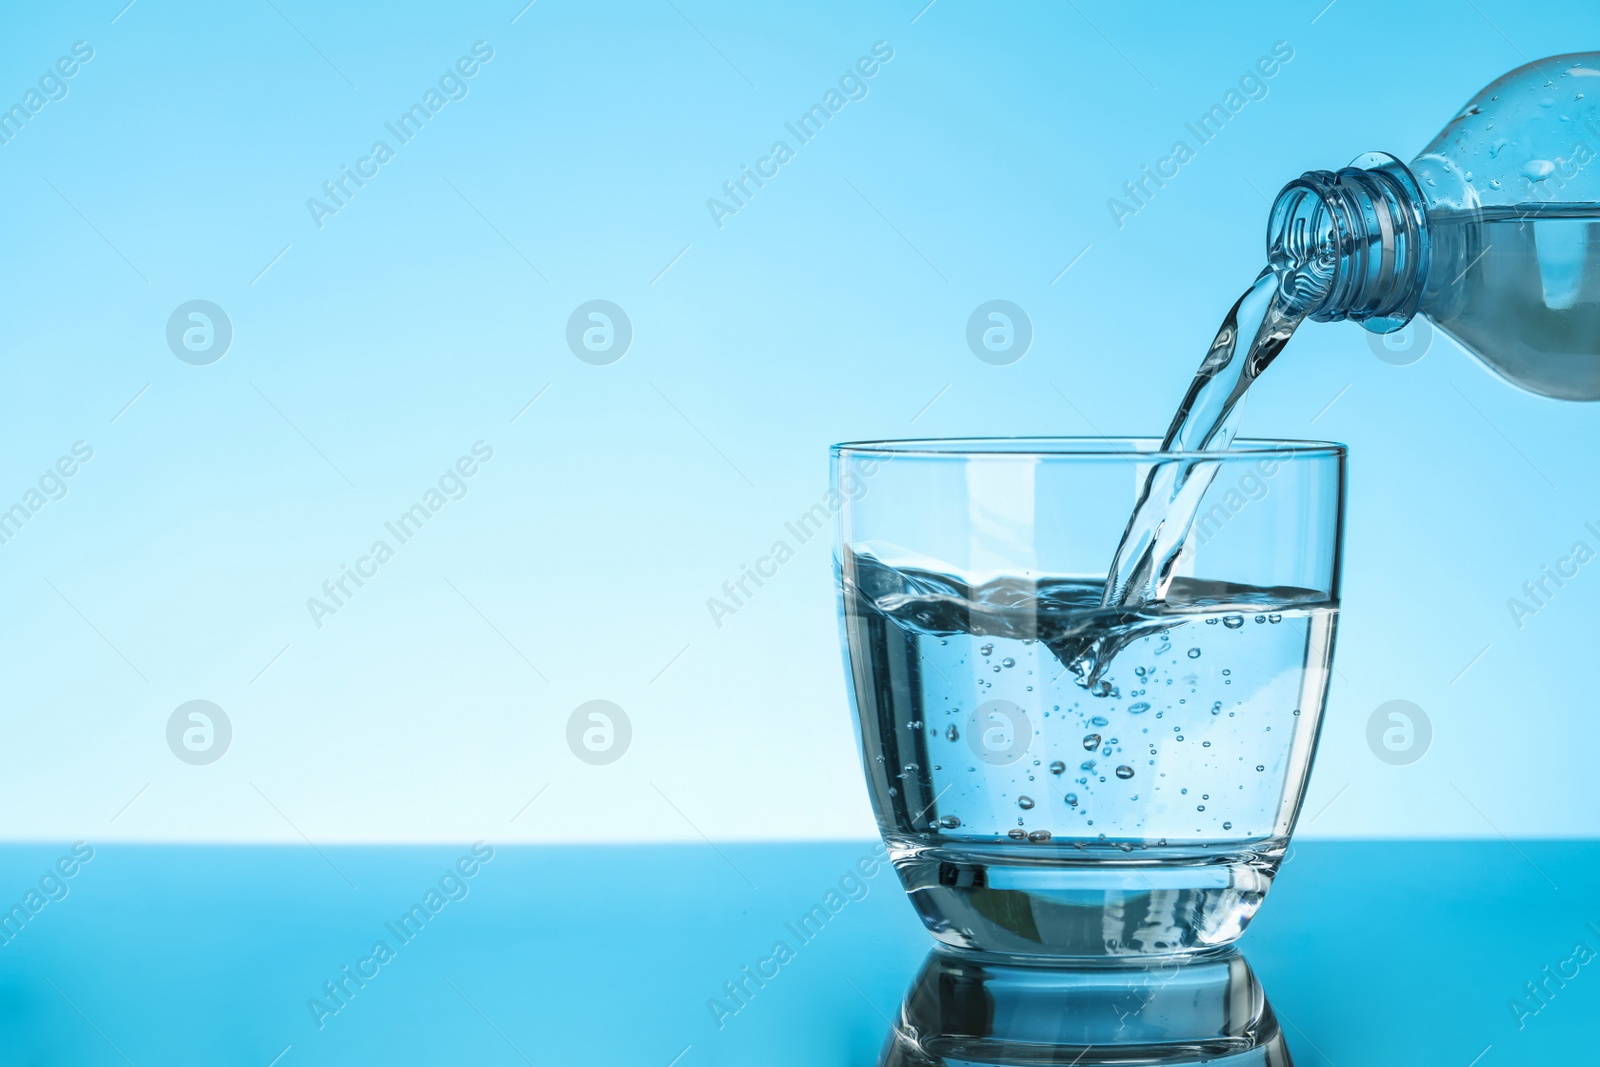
(1493, 231)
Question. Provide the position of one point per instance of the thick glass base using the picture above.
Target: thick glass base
(961, 1011)
(1068, 902)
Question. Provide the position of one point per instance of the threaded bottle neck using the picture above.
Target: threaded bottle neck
(1354, 243)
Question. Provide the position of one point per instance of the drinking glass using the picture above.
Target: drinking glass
(1038, 800)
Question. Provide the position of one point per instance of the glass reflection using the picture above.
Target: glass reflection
(967, 1010)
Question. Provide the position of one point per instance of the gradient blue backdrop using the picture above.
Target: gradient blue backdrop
(370, 353)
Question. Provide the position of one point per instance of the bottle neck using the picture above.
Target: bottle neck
(1353, 244)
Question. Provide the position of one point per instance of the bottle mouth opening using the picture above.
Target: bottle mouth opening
(1304, 246)
(1351, 244)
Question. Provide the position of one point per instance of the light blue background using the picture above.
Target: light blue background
(379, 348)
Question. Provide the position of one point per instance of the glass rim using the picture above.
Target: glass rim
(1137, 449)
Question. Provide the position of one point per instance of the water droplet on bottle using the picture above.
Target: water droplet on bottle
(1025, 803)
(1057, 767)
(949, 822)
(1008, 662)
(1139, 708)
(1039, 837)
(1091, 742)
(1124, 771)
(951, 733)
(1233, 622)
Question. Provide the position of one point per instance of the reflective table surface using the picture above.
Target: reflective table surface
(1453, 953)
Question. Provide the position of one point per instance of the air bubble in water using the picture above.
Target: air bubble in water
(1039, 837)
(1091, 742)
(1227, 826)
(1017, 835)
(985, 650)
(1072, 800)
(949, 822)
(1058, 767)
(1025, 803)
(1261, 766)
(1139, 708)
(1099, 720)
(1233, 622)
(1274, 618)
(951, 733)
(1008, 662)
(1194, 653)
(1124, 771)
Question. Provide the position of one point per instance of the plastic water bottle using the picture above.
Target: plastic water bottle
(1493, 232)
